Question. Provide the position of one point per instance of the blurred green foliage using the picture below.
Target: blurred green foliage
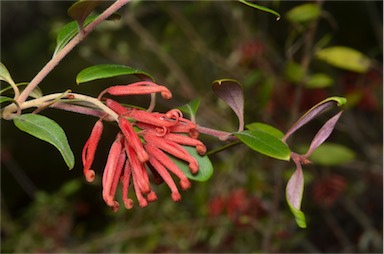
(186, 46)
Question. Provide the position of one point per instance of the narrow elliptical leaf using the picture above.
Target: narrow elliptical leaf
(5, 75)
(230, 91)
(264, 143)
(5, 99)
(71, 29)
(68, 31)
(331, 154)
(266, 128)
(304, 13)
(261, 8)
(314, 112)
(108, 71)
(323, 133)
(345, 58)
(191, 108)
(294, 194)
(80, 10)
(48, 130)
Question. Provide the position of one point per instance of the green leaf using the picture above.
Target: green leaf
(261, 8)
(35, 93)
(318, 80)
(303, 13)
(5, 75)
(345, 58)
(294, 72)
(266, 128)
(191, 107)
(264, 143)
(68, 31)
(294, 194)
(205, 170)
(5, 99)
(80, 10)
(48, 130)
(299, 216)
(331, 154)
(108, 71)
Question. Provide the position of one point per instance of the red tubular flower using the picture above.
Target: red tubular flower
(128, 203)
(118, 172)
(115, 106)
(184, 140)
(167, 178)
(89, 150)
(138, 170)
(155, 119)
(110, 172)
(133, 139)
(163, 159)
(142, 87)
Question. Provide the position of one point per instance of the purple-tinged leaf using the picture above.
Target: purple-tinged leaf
(312, 113)
(323, 133)
(80, 10)
(230, 91)
(294, 192)
(295, 186)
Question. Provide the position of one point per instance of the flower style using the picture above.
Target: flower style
(146, 140)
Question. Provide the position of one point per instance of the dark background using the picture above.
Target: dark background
(188, 45)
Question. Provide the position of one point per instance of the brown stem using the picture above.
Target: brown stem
(68, 48)
(305, 61)
(155, 47)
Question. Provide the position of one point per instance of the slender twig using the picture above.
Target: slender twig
(152, 45)
(52, 97)
(305, 61)
(222, 148)
(222, 135)
(65, 51)
(338, 231)
(79, 109)
(273, 213)
(15, 89)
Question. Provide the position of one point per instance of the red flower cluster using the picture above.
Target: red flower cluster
(157, 136)
(239, 206)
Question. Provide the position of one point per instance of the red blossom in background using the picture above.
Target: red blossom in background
(240, 207)
(328, 190)
(145, 141)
